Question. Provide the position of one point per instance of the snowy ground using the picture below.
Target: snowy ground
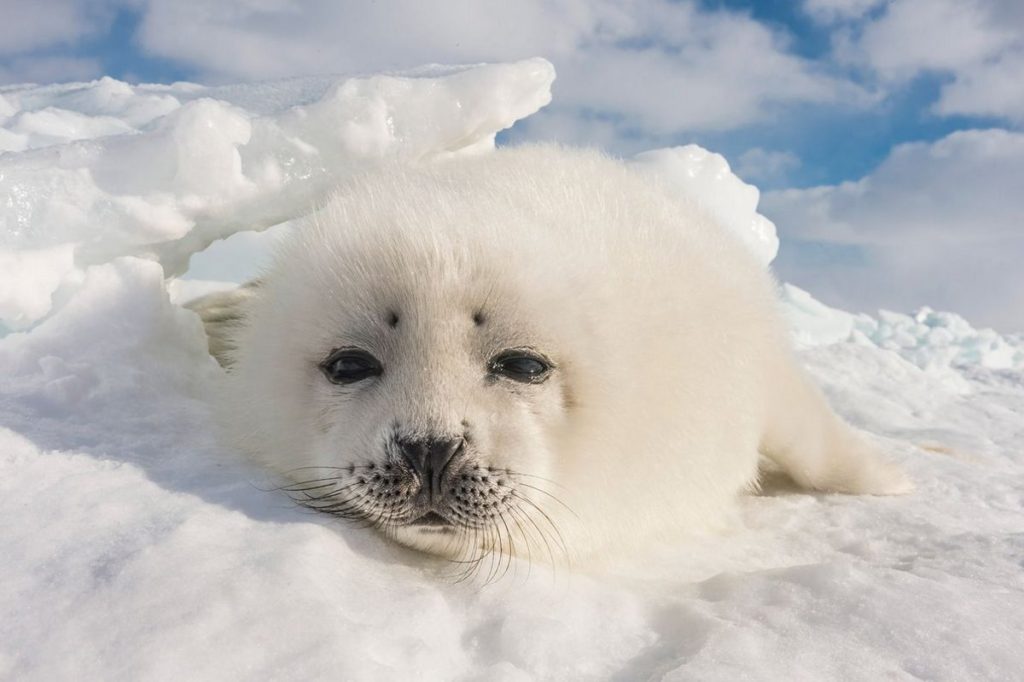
(135, 548)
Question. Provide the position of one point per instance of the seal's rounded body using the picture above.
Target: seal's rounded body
(532, 352)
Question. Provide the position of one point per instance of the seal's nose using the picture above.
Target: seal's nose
(429, 458)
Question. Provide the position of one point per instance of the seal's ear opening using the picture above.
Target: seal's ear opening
(222, 312)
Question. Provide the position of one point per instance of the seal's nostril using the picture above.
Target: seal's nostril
(443, 452)
(415, 453)
(430, 457)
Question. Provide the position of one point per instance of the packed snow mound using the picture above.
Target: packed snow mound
(105, 169)
(137, 547)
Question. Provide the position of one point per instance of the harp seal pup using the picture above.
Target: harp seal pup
(537, 352)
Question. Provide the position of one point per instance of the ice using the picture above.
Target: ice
(111, 174)
(137, 547)
(30, 278)
(51, 126)
(705, 178)
(929, 339)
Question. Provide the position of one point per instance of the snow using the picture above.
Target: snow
(137, 547)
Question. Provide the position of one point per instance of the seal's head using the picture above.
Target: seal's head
(461, 354)
(411, 360)
(424, 396)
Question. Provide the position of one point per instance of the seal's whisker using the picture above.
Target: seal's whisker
(520, 474)
(553, 497)
(326, 502)
(511, 546)
(540, 532)
(348, 467)
(490, 555)
(312, 481)
(336, 492)
(557, 534)
(306, 488)
(472, 565)
(505, 551)
(515, 513)
(354, 508)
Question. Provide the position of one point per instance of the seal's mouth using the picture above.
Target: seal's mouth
(431, 520)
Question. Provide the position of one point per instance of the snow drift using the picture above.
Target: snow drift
(136, 548)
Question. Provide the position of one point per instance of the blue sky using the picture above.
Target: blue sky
(800, 96)
(120, 56)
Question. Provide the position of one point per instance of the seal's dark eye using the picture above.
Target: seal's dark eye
(349, 365)
(521, 365)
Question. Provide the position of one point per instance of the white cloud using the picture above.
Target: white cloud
(247, 39)
(27, 25)
(915, 35)
(994, 88)
(659, 66)
(980, 43)
(765, 166)
(937, 223)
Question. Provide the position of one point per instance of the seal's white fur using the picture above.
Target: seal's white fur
(673, 367)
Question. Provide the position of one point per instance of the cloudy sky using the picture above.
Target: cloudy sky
(888, 135)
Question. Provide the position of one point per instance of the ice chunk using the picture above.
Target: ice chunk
(928, 339)
(704, 177)
(812, 322)
(28, 279)
(135, 106)
(163, 179)
(51, 125)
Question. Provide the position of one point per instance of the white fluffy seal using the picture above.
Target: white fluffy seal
(532, 353)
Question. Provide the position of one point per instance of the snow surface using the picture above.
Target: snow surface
(136, 548)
